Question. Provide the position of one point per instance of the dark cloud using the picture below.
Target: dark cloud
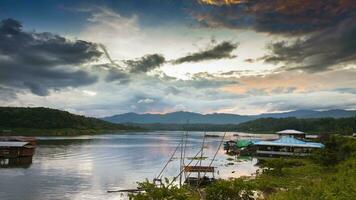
(206, 80)
(115, 74)
(275, 16)
(42, 61)
(106, 53)
(319, 52)
(145, 63)
(7, 94)
(222, 50)
(250, 60)
(124, 75)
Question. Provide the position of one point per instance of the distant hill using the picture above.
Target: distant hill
(345, 126)
(220, 118)
(42, 121)
(177, 118)
(337, 113)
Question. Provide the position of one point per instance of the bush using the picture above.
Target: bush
(164, 192)
(235, 189)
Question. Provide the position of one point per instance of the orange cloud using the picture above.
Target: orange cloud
(296, 82)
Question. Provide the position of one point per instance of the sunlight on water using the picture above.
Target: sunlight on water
(85, 167)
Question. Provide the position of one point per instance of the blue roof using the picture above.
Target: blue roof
(289, 141)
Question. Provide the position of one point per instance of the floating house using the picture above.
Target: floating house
(292, 133)
(285, 146)
(15, 149)
(238, 147)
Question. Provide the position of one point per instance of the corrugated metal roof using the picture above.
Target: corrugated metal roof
(289, 141)
(290, 131)
(13, 144)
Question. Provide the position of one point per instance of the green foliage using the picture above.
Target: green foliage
(164, 192)
(235, 189)
(46, 120)
(336, 149)
(276, 165)
(338, 184)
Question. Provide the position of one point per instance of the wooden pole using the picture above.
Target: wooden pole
(181, 161)
(201, 154)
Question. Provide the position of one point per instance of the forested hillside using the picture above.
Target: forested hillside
(312, 125)
(220, 118)
(268, 125)
(32, 119)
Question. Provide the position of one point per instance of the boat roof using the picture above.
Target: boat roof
(290, 131)
(13, 144)
(289, 141)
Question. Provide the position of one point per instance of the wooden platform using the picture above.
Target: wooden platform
(199, 169)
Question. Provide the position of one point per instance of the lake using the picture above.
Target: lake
(86, 167)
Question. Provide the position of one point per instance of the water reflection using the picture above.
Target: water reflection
(21, 162)
(86, 167)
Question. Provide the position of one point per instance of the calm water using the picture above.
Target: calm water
(86, 167)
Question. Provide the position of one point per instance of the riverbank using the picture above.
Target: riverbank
(328, 174)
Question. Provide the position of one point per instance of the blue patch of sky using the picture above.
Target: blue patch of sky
(63, 16)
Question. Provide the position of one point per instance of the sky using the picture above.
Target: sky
(100, 58)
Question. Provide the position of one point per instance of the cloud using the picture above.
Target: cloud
(222, 50)
(346, 90)
(146, 101)
(207, 93)
(206, 80)
(250, 60)
(115, 74)
(42, 61)
(331, 48)
(145, 63)
(275, 16)
(127, 71)
(286, 82)
(313, 100)
(7, 94)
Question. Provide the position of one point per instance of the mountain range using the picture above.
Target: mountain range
(182, 117)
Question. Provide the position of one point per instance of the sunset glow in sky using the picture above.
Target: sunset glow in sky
(101, 58)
